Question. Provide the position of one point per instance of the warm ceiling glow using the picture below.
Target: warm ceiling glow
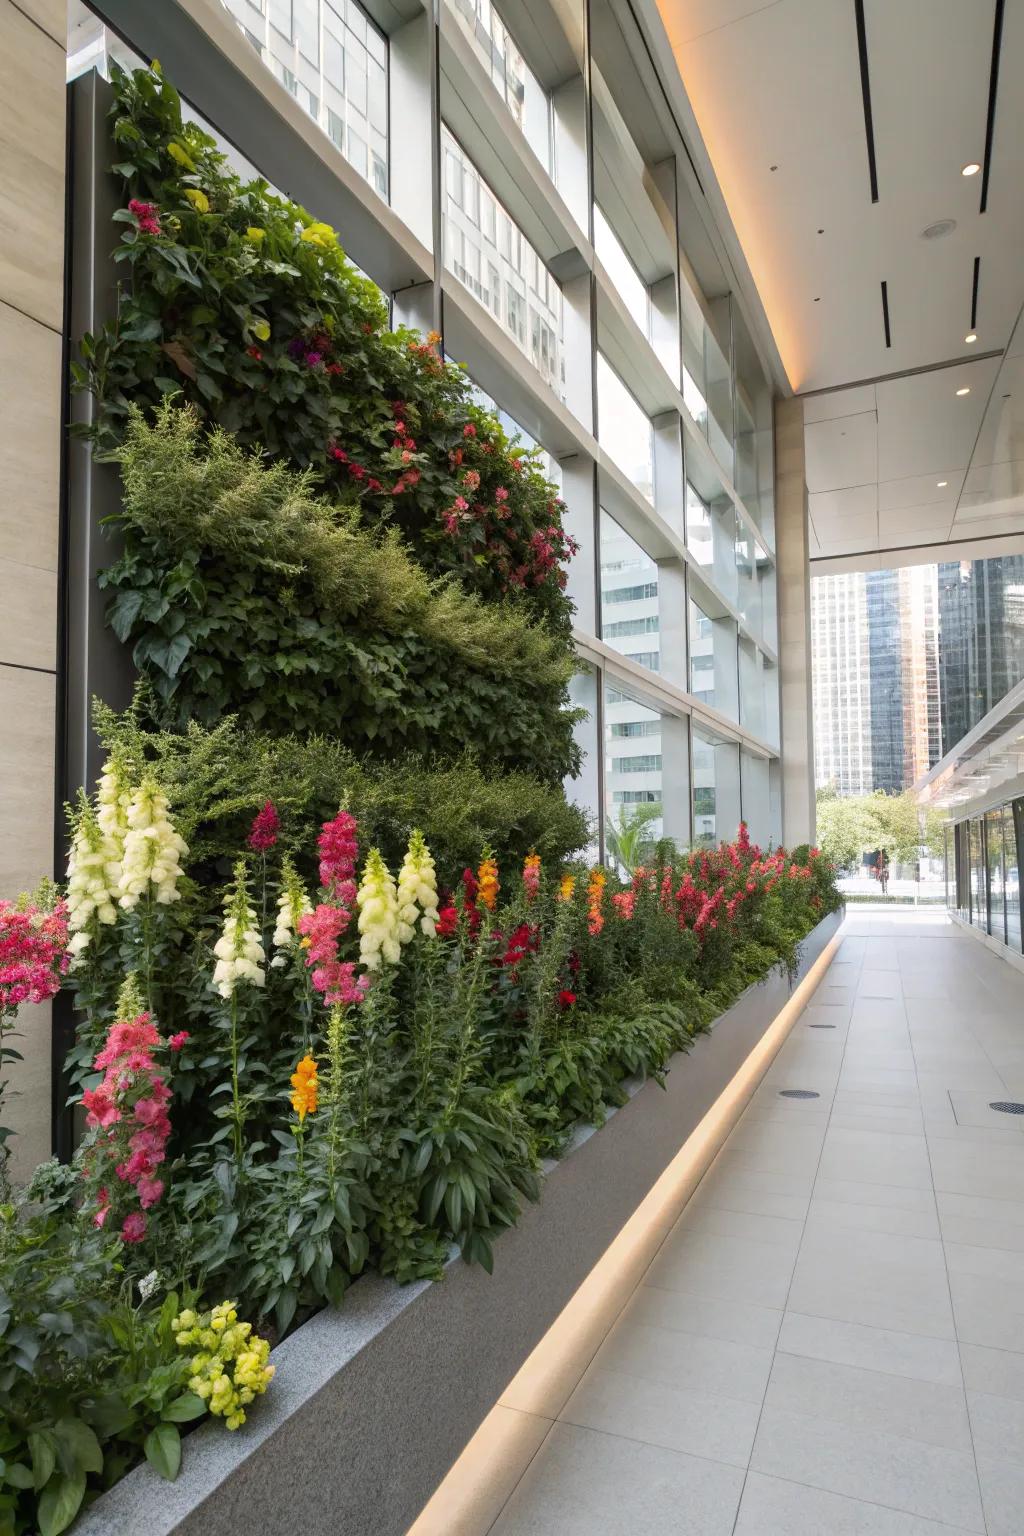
(941, 483)
(971, 336)
(971, 170)
(965, 391)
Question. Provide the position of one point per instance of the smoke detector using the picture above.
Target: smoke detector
(938, 229)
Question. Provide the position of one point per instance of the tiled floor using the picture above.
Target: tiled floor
(831, 1340)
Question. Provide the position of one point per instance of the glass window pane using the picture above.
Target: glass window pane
(1012, 880)
(629, 596)
(512, 77)
(346, 80)
(623, 430)
(994, 851)
(480, 250)
(645, 777)
(699, 531)
(702, 655)
(626, 280)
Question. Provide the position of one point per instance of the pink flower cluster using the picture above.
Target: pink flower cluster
(129, 1110)
(335, 978)
(33, 953)
(147, 216)
(264, 830)
(339, 849)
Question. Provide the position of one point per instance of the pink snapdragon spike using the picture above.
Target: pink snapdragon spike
(264, 830)
(33, 953)
(336, 980)
(339, 850)
(147, 216)
(129, 1111)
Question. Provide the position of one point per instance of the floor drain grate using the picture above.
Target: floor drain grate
(798, 1093)
(1007, 1107)
(821, 1026)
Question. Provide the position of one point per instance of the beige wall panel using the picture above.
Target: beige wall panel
(32, 93)
(28, 615)
(29, 440)
(51, 15)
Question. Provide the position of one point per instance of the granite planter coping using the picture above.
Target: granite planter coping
(373, 1402)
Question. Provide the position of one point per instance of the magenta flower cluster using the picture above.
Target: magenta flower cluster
(147, 216)
(33, 953)
(264, 830)
(129, 1111)
(339, 850)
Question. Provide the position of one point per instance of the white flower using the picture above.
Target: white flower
(94, 874)
(239, 950)
(417, 891)
(152, 849)
(377, 900)
(292, 904)
(113, 797)
(148, 1284)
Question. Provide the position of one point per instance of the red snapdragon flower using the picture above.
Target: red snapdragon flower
(265, 827)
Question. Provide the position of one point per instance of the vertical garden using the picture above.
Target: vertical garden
(341, 976)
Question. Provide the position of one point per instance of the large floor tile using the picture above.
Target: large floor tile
(1002, 1491)
(876, 1349)
(771, 1507)
(876, 1157)
(709, 1316)
(729, 1267)
(996, 1371)
(987, 1311)
(697, 1423)
(872, 1465)
(971, 1169)
(869, 1399)
(781, 1231)
(851, 1191)
(720, 1367)
(582, 1483)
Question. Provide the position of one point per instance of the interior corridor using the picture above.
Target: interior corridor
(830, 1340)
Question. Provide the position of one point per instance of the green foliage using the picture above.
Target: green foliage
(218, 779)
(90, 1380)
(248, 306)
(852, 825)
(240, 591)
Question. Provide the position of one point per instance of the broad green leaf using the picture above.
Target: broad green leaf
(163, 1450)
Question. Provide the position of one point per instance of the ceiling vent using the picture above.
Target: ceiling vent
(938, 229)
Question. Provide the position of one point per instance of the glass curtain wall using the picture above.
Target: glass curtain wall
(530, 149)
(983, 872)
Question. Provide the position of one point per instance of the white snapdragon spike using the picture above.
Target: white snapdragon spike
(152, 849)
(94, 874)
(113, 797)
(417, 891)
(239, 950)
(377, 900)
(293, 904)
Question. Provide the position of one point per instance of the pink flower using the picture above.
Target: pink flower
(150, 1191)
(339, 850)
(176, 1042)
(265, 827)
(501, 494)
(623, 903)
(133, 1228)
(147, 216)
(33, 953)
(469, 430)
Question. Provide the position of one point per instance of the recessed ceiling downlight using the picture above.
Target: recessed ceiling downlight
(941, 483)
(937, 230)
(971, 336)
(971, 168)
(965, 391)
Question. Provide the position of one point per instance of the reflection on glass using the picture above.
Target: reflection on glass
(994, 851)
(979, 902)
(699, 531)
(705, 820)
(633, 777)
(626, 280)
(1011, 879)
(516, 84)
(342, 86)
(693, 357)
(547, 462)
(753, 688)
(906, 661)
(629, 596)
(623, 430)
(702, 655)
(493, 258)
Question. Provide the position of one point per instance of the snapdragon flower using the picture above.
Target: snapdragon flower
(417, 891)
(239, 951)
(152, 849)
(94, 878)
(292, 905)
(378, 914)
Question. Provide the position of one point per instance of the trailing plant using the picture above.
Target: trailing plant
(246, 304)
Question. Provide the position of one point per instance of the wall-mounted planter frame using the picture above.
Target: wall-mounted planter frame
(373, 1403)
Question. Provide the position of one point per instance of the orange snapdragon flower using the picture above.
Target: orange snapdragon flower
(595, 898)
(305, 1087)
(487, 875)
(566, 886)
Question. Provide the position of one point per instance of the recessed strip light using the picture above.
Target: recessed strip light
(965, 391)
(941, 483)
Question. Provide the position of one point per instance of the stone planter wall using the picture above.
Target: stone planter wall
(373, 1403)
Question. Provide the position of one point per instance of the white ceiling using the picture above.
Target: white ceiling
(778, 84)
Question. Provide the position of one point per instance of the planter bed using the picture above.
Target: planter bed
(373, 1403)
